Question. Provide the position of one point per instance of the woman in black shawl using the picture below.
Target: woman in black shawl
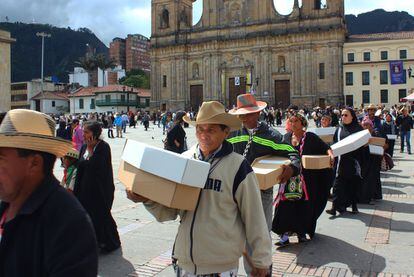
(95, 188)
(176, 137)
(300, 216)
(348, 167)
(371, 188)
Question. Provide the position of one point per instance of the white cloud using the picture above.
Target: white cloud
(109, 19)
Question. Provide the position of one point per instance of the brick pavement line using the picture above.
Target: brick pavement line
(398, 196)
(154, 266)
(380, 227)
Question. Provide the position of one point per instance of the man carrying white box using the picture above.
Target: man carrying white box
(211, 239)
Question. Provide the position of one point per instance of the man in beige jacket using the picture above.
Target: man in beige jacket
(211, 239)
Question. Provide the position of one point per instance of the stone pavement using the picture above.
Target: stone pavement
(379, 241)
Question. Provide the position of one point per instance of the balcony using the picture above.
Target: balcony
(118, 102)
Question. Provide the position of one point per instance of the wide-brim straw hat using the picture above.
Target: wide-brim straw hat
(246, 104)
(73, 153)
(26, 129)
(372, 107)
(213, 112)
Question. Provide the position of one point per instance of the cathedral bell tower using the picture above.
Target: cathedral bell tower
(171, 16)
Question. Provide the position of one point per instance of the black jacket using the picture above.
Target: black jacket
(50, 236)
(176, 133)
(405, 123)
(267, 141)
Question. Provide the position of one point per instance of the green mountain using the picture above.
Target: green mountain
(379, 21)
(62, 50)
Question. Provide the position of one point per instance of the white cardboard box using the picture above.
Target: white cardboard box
(392, 137)
(329, 131)
(166, 164)
(163, 191)
(325, 134)
(351, 143)
(268, 170)
(376, 150)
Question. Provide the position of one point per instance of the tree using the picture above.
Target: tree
(91, 64)
(136, 78)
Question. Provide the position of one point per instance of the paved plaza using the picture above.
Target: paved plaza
(379, 241)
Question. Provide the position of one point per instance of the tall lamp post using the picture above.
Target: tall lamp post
(43, 35)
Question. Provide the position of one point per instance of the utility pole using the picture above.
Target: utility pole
(42, 35)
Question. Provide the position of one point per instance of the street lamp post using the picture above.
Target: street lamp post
(42, 35)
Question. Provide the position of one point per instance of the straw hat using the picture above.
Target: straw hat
(246, 103)
(26, 129)
(213, 112)
(371, 107)
(73, 153)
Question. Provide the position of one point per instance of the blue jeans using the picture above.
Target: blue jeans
(406, 135)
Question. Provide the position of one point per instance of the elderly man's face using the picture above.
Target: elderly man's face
(210, 137)
(13, 171)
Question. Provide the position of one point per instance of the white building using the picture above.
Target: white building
(108, 99)
(85, 79)
(378, 68)
(50, 102)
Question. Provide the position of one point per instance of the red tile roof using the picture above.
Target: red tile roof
(382, 36)
(92, 91)
(49, 95)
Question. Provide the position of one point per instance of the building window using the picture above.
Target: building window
(122, 98)
(349, 78)
(384, 77)
(367, 56)
(402, 93)
(164, 81)
(321, 71)
(107, 98)
(384, 55)
(403, 54)
(365, 78)
(365, 97)
(80, 103)
(384, 96)
(53, 104)
(351, 57)
(92, 106)
(349, 100)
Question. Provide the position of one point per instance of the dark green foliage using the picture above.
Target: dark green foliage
(136, 78)
(379, 21)
(62, 50)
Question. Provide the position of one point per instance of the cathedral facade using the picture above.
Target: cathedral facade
(246, 46)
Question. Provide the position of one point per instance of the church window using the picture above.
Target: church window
(165, 19)
(321, 71)
(196, 70)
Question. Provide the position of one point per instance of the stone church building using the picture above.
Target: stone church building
(241, 46)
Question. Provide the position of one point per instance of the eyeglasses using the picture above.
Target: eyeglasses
(344, 115)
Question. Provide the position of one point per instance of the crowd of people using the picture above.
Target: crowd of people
(228, 223)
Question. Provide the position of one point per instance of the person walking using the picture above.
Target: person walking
(211, 239)
(389, 128)
(405, 124)
(300, 216)
(176, 137)
(77, 134)
(118, 125)
(256, 139)
(94, 187)
(110, 122)
(348, 167)
(39, 219)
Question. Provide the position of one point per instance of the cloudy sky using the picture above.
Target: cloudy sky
(109, 18)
